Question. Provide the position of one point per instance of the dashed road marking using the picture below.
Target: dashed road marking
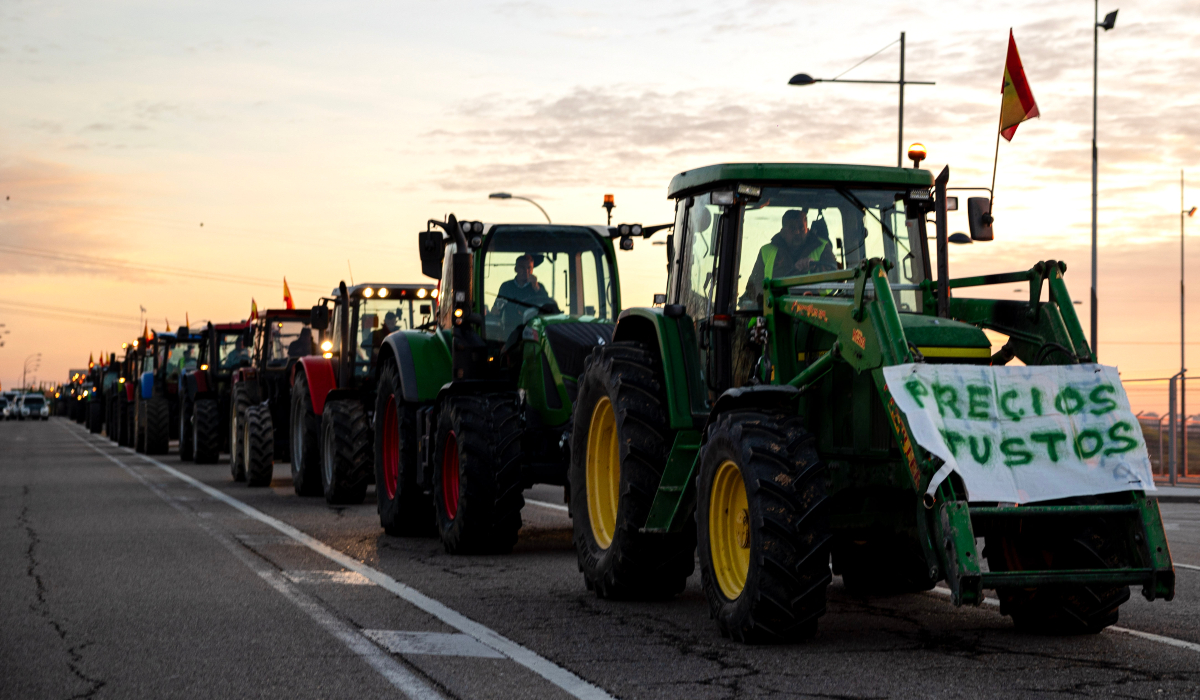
(544, 504)
(1170, 641)
(1177, 565)
(559, 676)
(432, 643)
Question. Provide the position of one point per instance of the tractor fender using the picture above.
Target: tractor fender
(768, 397)
(321, 379)
(675, 340)
(147, 384)
(409, 350)
(244, 374)
(129, 392)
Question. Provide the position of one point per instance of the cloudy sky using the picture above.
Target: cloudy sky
(302, 134)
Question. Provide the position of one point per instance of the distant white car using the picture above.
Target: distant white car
(4, 408)
(33, 407)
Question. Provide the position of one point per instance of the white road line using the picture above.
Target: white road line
(1185, 566)
(544, 504)
(392, 670)
(531, 660)
(1170, 641)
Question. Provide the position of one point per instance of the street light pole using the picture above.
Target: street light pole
(802, 79)
(1110, 21)
(506, 195)
(1182, 346)
(25, 369)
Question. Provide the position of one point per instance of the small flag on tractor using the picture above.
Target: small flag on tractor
(146, 331)
(253, 309)
(1018, 103)
(168, 323)
(91, 360)
(187, 320)
(287, 295)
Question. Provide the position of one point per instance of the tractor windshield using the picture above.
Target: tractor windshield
(528, 267)
(794, 231)
(374, 320)
(232, 351)
(181, 356)
(287, 338)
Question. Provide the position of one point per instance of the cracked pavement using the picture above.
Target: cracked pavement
(111, 592)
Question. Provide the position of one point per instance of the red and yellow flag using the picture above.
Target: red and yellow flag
(91, 360)
(253, 309)
(168, 323)
(1018, 103)
(146, 331)
(287, 295)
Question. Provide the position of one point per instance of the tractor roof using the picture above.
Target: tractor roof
(304, 314)
(394, 289)
(798, 173)
(239, 326)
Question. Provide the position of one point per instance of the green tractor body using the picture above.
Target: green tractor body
(769, 412)
(476, 405)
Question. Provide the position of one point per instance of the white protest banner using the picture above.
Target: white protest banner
(1025, 434)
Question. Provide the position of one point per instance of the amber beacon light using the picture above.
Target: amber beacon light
(916, 153)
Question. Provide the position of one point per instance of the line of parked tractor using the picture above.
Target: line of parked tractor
(744, 412)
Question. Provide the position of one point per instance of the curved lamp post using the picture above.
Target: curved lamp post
(506, 195)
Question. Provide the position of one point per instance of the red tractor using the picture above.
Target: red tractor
(261, 393)
(333, 394)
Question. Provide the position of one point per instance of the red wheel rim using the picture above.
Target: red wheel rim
(391, 448)
(450, 475)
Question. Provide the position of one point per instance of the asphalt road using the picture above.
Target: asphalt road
(123, 576)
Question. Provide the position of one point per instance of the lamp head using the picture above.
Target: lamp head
(1110, 21)
(500, 195)
(802, 79)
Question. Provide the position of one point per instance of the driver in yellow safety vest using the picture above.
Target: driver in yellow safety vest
(792, 251)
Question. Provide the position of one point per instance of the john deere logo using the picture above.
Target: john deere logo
(859, 339)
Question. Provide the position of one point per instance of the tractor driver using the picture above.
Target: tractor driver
(518, 295)
(792, 251)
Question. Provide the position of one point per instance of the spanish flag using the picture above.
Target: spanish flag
(1018, 103)
(287, 295)
(146, 331)
(253, 309)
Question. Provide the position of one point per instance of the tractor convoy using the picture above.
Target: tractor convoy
(806, 398)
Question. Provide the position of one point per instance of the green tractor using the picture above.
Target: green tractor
(810, 393)
(476, 405)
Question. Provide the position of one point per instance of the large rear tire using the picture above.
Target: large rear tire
(237, 414)
(1066, 544)
(619, 448)
(187, 432)
(206, 431)
(158, 426)
(122, 429)
(258, 438)
(762, 527)
(404, 508)
(477, 474)
(345, 452)
(305, 432)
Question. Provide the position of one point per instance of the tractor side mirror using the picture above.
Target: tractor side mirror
(425, 309)
(320, 317)
(182, 332)
(979, 216)
(432, 250)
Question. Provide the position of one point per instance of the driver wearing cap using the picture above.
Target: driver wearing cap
(519, 294)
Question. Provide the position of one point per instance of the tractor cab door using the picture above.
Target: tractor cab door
(694, 282)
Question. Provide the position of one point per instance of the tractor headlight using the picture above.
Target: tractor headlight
(368, 293)
(421, 294)
(328, 356)
(203, 368)
(383, 293)
(326, 346)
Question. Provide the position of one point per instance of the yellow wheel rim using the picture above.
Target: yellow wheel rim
(603, 473)
(729, 529)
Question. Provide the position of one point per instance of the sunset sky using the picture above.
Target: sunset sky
(302, 134)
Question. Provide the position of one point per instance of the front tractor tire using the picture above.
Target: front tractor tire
(1060, 610)
(345, 452)
(158, 426)
(404, 508)
(258, 439)
(477, 474)
(206, 431)
(305, 432)
(620, 444)
(238, 403)
(187, 434)
(762, 527)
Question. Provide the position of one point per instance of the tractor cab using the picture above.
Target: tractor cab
(356, 319)
(282, 337)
